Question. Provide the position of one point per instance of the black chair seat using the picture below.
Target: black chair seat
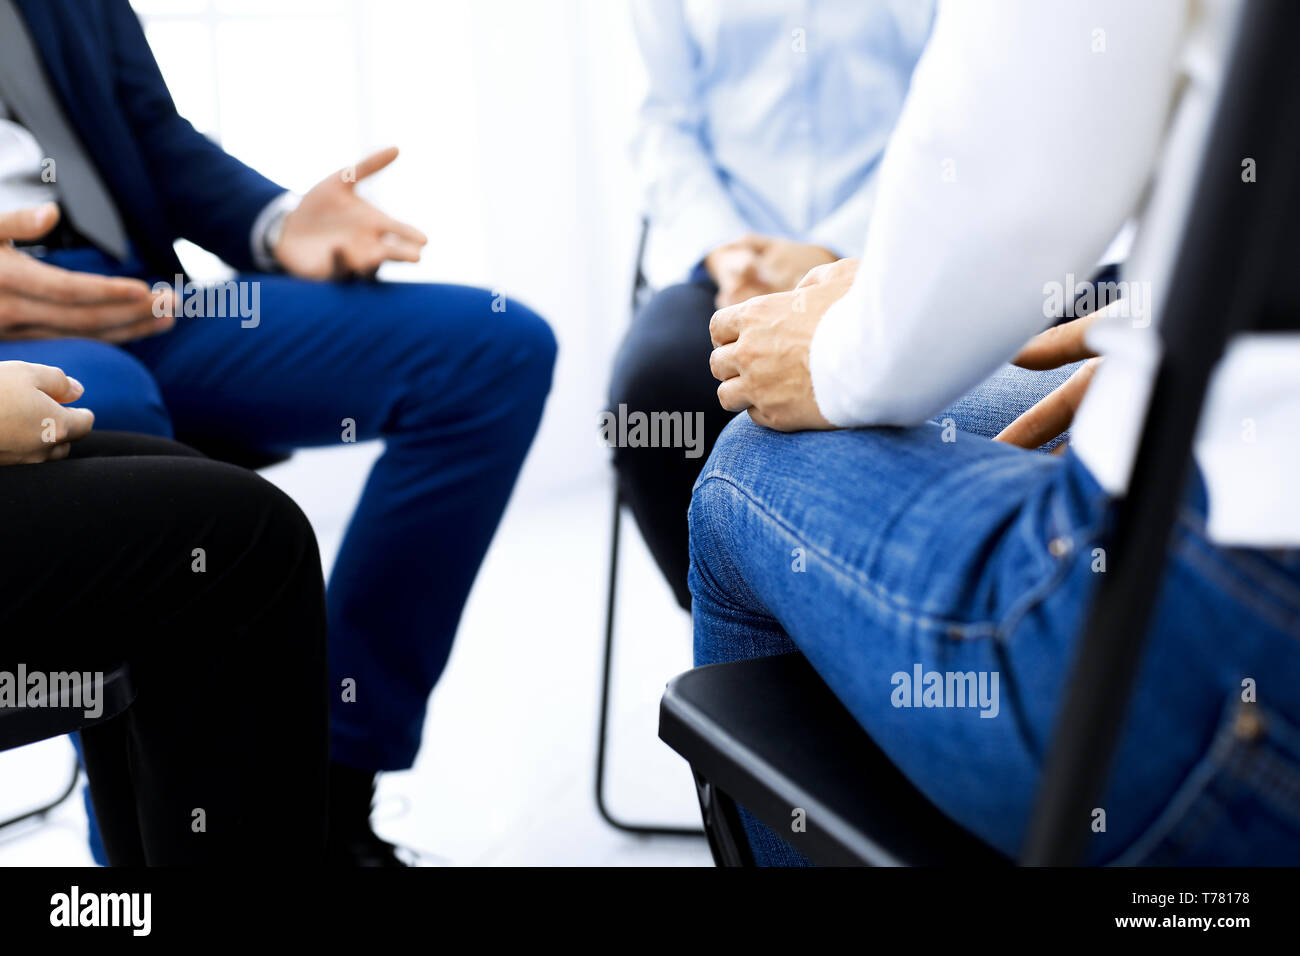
(770, 729)
(20, 726)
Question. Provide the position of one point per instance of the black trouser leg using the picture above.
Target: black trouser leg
(222, 757)
(663, 366)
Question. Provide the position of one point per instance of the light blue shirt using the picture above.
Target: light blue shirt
(767, 116)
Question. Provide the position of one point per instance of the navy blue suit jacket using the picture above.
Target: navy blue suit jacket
(169, 181)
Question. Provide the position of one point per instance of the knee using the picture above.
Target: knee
(713, 501)
(639, 380)
(530, 351)
(286, 538)
(489, 357)
(734, 452)
(119, 389)
(667, 344)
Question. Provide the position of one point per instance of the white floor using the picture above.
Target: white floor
(506, 774)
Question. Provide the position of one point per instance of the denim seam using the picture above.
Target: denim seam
(1195, 806)
(720, 594)
(1268, 775)
(1243, 577)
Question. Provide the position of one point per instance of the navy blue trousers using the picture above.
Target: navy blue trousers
(452, 379)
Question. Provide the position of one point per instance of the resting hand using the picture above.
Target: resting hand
(782, 263)
(34, 425)
(760, 265)
(335, 234)
(1052, 415)
(761, 350)
(40, 301)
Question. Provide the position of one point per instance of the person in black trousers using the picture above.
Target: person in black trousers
(206, 580)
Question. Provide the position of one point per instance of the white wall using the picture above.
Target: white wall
(514, 118)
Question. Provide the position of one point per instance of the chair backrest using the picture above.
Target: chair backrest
(1234, 272)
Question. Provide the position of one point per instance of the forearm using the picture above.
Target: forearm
(978, 208)
(209, 196)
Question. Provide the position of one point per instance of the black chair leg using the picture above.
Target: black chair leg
(41, 811)
(602, 743)
(722, 826)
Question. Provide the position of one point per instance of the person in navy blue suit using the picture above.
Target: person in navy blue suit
(302, 349)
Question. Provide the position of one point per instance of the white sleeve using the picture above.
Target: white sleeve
(1027, 138)
(690, 209)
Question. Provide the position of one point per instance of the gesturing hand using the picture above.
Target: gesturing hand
(761, 350)
(335, 234)
(34, 425)
(40, 301)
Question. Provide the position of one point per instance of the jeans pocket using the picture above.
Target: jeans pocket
(1240, 805)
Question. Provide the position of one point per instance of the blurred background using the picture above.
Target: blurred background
(514, 118)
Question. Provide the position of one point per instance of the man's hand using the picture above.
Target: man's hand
(40, 301)
(760, 265)
(34, 425)
(335, 234)
(761, 350)
(1052, 415)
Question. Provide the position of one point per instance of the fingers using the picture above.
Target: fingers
(55, 383)
(401, 229)
(27, 224)
(1057, 346)
(58, 427)
(39, 280)
(116, 336)
(1053, 413)
(374, 163)
(816, 275)
(110, 323)
(1065, 343)
(398, 249)
(828, 271)
(724, 327)
(733, 395)
(71, 424)
(724, 362)
(363, 257)
(734, 295)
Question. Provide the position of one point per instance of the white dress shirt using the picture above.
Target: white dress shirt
(767, 116)
(21, 165)
(1032, 132)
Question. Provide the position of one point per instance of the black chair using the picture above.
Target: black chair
(640, 289)
(769, 734)
(20, 726)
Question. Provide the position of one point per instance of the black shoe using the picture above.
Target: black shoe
(351, 841)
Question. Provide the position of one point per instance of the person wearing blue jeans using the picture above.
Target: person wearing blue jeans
(975, 556)
(937, 578)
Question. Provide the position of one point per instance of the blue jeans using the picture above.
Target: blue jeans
(453, 386)
(875, 552)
